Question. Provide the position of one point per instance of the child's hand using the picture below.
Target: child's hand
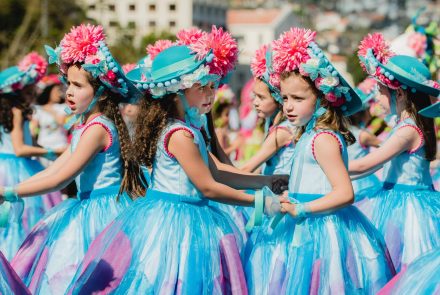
(287, 207)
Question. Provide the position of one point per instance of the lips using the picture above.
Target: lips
(70, 103)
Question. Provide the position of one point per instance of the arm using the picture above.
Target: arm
(368, 139)
(328, 156)
(274, 141)
(185, 151)
(404, 139)
(20, 148)
(52, 169)
(93, 140)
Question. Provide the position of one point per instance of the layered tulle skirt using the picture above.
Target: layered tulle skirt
(335, 253)
(51, 254)
(165, 244)
(363, 187)
(10, 283)
(14, 170)
(420, 277)
(408, 218)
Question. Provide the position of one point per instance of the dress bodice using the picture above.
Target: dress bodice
(167, 175)
(408, 167)
(105, 169)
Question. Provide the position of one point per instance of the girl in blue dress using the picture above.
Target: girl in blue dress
(406, 209)
(173, 241)
(275, 153)
(17, 88)
(323, 245)
(98, 159)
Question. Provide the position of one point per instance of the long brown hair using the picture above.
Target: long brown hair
(7, 102)
(133, 179)
(413, 104)
(153, 117)
(332, 119)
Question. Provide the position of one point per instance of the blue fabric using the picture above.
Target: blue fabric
(336, 252)
(171, 241)
(14, 170)
(58, 243)
(406, 209)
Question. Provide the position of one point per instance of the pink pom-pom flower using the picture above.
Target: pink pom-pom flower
(418, 43)
(224, 48)
(258, 62)
(158, 47)
(35, 59)
(290, 50)
(189, 36)
(368, 85)
(377, 43)
(80, 42)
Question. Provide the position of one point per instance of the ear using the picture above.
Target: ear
(401, 94)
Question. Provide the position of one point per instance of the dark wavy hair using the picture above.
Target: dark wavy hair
(7, 102)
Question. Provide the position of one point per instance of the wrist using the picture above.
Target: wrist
(302, 210)
(50, 154)
(9, 194)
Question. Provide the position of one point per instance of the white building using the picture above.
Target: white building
(141, 17)
(253, 28)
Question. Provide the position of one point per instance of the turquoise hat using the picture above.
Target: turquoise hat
(174, 69)
(433, 111)
(410, 72)
(29, 71)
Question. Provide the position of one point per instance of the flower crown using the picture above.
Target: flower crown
(373, 50)
(29, 71)
(296, 50)
(261, 68)
(216, 54)
(85, 44)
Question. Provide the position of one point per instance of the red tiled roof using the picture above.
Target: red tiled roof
(252, 16)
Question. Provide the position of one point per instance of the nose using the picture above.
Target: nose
(288, 105)
(69, 92)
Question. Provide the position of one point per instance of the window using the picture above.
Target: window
(92, 7)
(152, 7)
(132, 25)
(172, 24)
(172, 7)
(132, 7)
(152, 23)
(113, 23)
(111, 7)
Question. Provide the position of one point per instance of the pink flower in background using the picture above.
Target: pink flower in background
(80, 42)
(377, 43)
(158, 47)
(290, 50)
(224, 48)
(274, 79)
(418, 43)
(368, 85)
(258, 62)
(35, 59)
(189, 36)
(128, 67)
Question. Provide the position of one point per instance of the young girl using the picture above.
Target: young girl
(323, 245)
(98, 159)
(17, 88)
(406, 209)
(277, 149)
(172, 241)
(49, 116)
(364, 139)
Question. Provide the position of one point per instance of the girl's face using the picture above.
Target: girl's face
(201, 97)
(56, 94)
(299, 100)
(383, 96)
(263, 101)
(79, 92)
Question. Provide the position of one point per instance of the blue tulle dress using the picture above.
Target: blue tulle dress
(14, 170)
(339, 252)
(50, 255)
(169, 242)
(363, 186)
(10, 283)
(420, 277)
(406, 210)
